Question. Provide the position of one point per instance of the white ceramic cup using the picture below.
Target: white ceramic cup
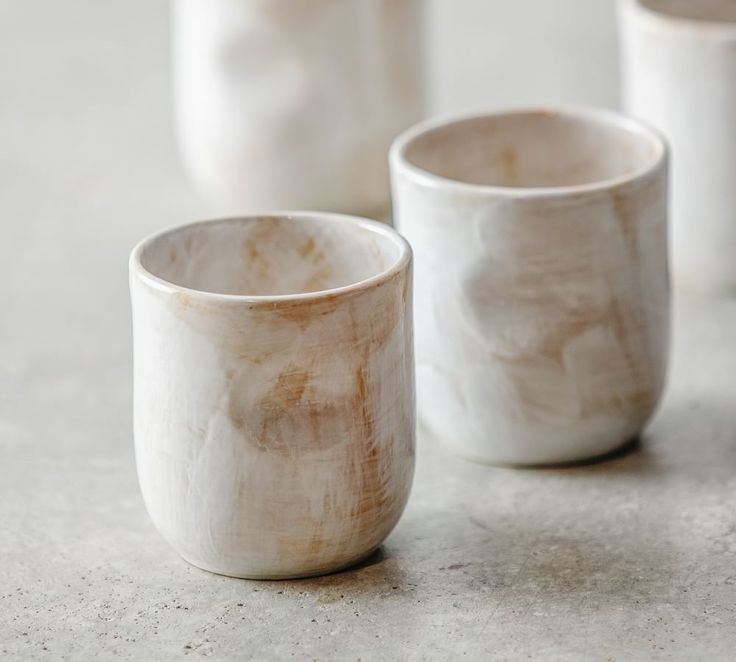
(678, 63)
(274, 390)
(284, 103)
(542, 304)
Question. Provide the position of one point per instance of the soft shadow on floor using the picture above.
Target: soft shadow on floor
(630, 448)
(380, 573)
(683, 435)
(686, 438)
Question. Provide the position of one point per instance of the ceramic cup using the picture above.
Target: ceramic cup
(679, 73)
(274, 390)
(542, 305)
(295, 103)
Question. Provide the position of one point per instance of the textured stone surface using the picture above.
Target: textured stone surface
(634, 558)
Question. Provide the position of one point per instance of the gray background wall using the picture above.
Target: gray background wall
(493, 53)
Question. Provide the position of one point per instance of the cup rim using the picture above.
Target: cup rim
(400, 163)
(714, 28)
(136, 267)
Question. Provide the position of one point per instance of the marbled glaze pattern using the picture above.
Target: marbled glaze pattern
(283, 103)
(274, 434)
(542, 304)
(678, 65)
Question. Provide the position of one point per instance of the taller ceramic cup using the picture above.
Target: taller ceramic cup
(295, 103)
(679, 73)
(542, 305)
(274, 390)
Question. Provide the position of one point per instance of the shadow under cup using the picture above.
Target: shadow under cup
(274, 390)
(542, 306)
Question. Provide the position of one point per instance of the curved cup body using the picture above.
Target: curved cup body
(542, 315)
(274, 436)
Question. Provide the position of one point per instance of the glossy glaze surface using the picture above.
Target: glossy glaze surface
(542, 300)
(274, 393)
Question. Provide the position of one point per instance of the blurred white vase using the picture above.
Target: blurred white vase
(679, 74)
(283, 104)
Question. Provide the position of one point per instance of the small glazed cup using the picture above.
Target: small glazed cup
(274, 390)
(542, 306)
(678, 66)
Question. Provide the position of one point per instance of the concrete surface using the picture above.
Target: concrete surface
(629, 559)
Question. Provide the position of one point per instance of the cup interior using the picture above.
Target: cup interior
(534, 149)
(699, 10)
(272, 255)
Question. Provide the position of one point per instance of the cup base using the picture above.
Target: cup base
(275, 576)
(622, 449)
(630, 442)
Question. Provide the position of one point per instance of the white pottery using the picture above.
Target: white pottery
(282, 103)
(274, 390)
(679, 73)
(542, 306)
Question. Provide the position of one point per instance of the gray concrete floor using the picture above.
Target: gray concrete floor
(629, 559)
